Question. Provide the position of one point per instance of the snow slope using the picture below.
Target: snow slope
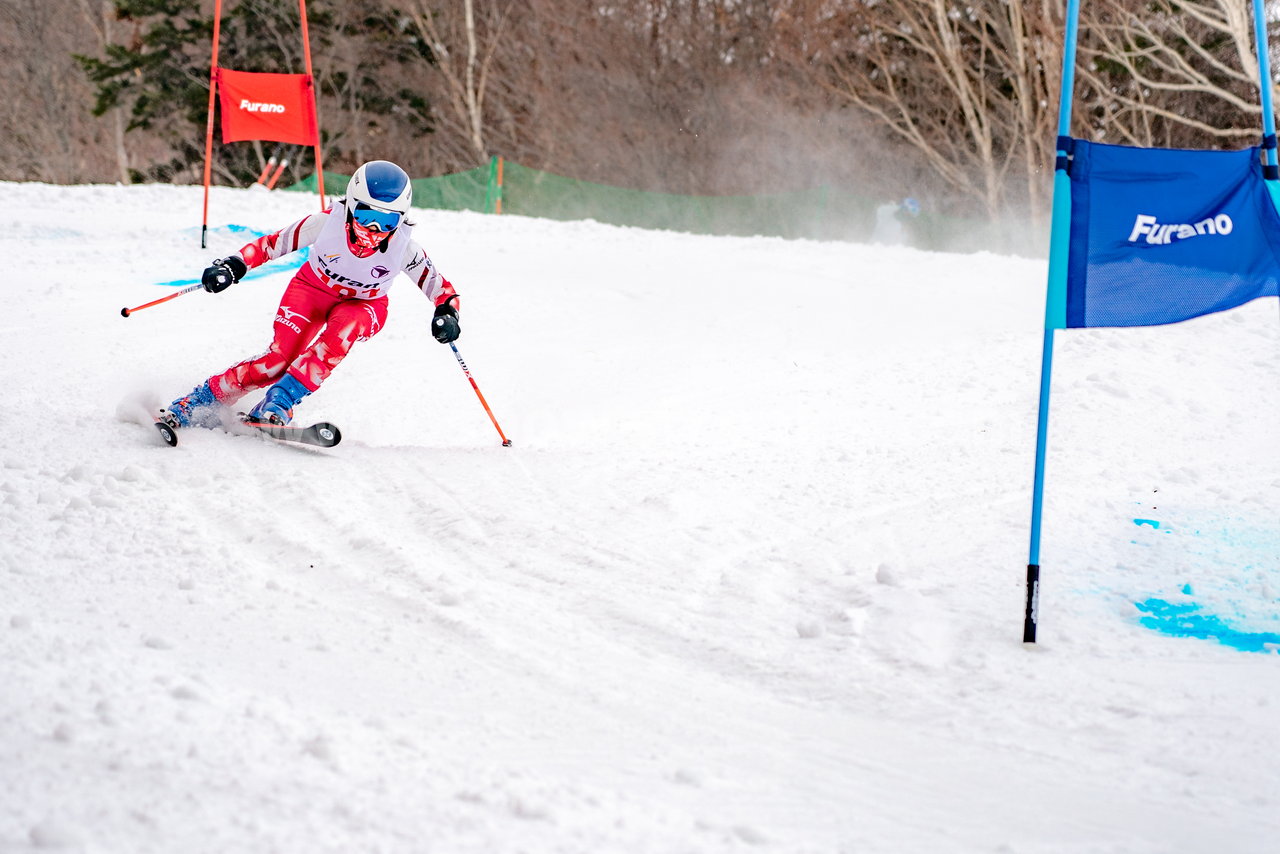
(750, 577)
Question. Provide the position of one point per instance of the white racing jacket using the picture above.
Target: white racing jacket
(335, 266)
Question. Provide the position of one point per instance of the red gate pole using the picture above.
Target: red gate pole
(208, 133)
(266, 170)
(315, 98)
(271, 185)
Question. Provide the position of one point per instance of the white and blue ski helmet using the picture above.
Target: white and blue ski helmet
(382, 185)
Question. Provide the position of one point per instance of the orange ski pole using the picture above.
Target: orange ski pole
(125, 312)
(506, 443)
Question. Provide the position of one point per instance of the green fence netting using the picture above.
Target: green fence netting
(510, 188)
(460, 191)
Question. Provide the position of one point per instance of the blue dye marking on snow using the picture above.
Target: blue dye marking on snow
(1152, 522)
(1187, 621)
(178, 283)
(229, 228)
(290, 262)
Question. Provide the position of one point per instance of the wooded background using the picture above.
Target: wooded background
(952, 103)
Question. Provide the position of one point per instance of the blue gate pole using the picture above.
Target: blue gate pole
(1264, 75)
(1055, 307)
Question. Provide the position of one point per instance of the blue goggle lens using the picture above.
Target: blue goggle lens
(371, 217)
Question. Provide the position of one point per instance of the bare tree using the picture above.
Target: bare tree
(101, 19)
(682, 96)
(46, 123)
(1164, 73)
(463, 51)
(966, 86)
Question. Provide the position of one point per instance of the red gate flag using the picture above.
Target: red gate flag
(258, 105)
(275, 107)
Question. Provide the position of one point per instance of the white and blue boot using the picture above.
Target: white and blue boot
(197, 409)
(277, 407)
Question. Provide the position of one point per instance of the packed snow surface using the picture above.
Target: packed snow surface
(750, 577)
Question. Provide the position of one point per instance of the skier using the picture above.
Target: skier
(339, 297)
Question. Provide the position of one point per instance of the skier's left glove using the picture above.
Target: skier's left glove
(444, 326)
(222, 273)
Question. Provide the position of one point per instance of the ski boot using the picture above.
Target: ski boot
(197, 409)
(277, 407)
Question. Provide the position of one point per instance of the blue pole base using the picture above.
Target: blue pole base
(1033, 604)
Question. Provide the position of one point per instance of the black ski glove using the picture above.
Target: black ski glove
(222, 273)
(444, 326)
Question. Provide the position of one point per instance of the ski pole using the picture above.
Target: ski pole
(125, 312)
(506, 443)
(271, 185)
(262, 176)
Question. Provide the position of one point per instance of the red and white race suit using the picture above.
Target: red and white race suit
(337, 298)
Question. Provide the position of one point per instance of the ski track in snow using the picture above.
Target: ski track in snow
(750, 578)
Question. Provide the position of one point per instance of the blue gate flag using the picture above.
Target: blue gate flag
(1163, 235)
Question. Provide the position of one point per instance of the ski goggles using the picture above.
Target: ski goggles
(372, 218)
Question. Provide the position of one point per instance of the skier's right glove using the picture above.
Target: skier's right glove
(222, 273)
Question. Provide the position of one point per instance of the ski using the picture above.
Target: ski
(322, 434)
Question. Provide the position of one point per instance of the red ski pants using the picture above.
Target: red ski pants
(314, 330)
